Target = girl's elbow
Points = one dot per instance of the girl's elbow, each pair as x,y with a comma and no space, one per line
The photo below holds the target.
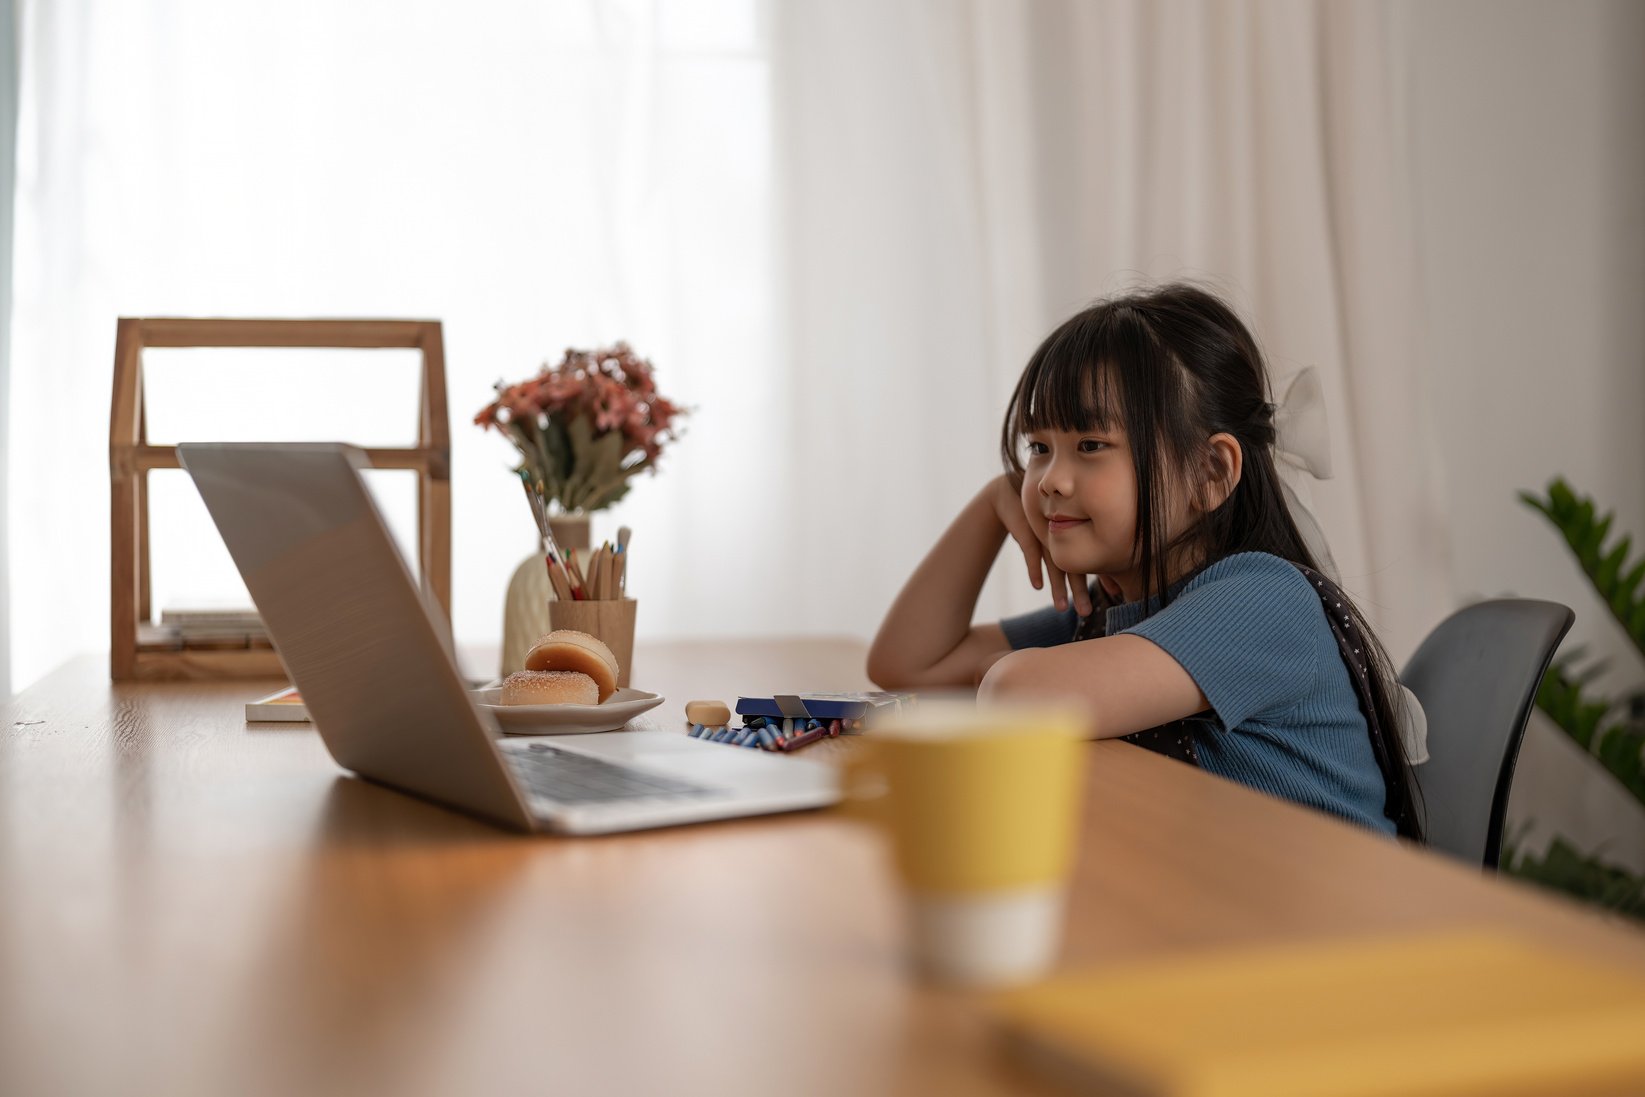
1006,678
883,680
1017,677
885,673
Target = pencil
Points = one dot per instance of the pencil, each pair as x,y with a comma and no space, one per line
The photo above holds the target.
556,575
594,590
607,573
577,583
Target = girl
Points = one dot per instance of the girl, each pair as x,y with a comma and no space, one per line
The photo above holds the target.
1138,449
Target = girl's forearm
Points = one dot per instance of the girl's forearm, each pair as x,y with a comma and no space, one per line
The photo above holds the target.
931,617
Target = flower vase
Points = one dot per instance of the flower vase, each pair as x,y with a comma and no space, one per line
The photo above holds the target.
525,607
571,531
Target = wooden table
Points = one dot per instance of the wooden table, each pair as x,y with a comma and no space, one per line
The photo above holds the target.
192,905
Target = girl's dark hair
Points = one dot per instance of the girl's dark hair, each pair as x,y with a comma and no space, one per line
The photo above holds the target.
1173,366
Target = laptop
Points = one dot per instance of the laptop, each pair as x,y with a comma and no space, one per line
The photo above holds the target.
372,657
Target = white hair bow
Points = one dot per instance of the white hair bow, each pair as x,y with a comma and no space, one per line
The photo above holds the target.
1302,439
1302,435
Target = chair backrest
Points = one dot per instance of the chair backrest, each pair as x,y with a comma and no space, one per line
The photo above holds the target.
1476,675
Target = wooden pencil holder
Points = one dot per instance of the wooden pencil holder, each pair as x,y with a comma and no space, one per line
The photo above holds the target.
611,620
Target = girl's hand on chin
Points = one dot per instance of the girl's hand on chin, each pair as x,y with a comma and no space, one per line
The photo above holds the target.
1006,497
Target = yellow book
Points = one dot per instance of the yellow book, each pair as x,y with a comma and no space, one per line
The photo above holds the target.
1439,1015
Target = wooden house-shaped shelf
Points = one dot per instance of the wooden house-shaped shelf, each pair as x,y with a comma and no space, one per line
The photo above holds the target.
139,649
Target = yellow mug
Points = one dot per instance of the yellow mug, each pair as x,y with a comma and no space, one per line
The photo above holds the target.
981,807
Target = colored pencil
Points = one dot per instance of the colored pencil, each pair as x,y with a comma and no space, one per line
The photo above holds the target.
556,575
578,585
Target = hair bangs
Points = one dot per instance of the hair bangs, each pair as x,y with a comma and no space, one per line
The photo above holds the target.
1069,396
1071,382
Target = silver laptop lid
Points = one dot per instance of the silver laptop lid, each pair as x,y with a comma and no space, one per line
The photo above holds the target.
359,638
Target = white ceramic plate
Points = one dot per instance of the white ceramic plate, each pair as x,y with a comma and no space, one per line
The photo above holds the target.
618,710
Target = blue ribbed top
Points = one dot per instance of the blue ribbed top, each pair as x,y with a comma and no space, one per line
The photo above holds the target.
1284,717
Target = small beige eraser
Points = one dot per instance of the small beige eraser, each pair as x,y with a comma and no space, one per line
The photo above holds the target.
712,714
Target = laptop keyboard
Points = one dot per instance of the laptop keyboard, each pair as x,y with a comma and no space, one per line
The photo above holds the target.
569,778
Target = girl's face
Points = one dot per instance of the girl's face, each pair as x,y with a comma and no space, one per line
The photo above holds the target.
1079,489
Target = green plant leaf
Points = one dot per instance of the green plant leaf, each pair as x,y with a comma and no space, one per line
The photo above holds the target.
1588,530
1574,515
1561,496
556,450
1618,745
1561,696
596,466
1605,576
1627,590
1621,749
604,495
580,434
1565,869
533,465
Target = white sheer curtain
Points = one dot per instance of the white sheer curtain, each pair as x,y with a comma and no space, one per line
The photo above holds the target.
536,175
838,227
962,176
8,176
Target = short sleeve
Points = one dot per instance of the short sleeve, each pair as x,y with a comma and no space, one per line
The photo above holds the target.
1247,630
1043,628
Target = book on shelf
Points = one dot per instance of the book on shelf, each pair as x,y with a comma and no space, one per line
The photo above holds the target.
867,706
204,633
284,706
211,625
225,618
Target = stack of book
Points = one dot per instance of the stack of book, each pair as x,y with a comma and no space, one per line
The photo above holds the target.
213,628
285,707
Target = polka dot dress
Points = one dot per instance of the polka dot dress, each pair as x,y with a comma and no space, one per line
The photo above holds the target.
1352,649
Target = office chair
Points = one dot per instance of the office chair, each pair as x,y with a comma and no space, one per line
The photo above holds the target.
1476,675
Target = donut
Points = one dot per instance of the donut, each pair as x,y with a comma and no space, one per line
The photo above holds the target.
568,649
549,687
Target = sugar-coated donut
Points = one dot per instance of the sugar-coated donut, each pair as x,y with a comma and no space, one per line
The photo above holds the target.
550,687
568,649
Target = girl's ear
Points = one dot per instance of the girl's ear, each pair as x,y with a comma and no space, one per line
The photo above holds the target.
1224,463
